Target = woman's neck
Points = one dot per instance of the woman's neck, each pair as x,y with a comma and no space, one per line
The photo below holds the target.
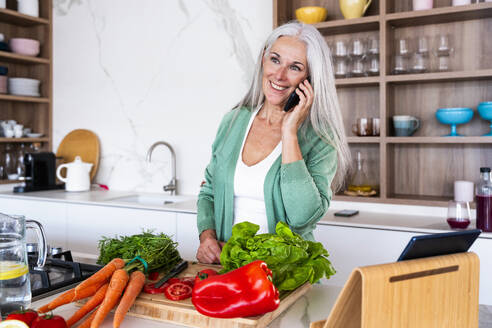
271,115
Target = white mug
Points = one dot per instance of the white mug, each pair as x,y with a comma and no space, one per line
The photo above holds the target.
9,133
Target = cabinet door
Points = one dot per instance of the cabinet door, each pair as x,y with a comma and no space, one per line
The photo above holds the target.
187,235
354,247
87,224
52,215
483,247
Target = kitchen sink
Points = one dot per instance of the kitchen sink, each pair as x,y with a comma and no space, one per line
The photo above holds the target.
151,199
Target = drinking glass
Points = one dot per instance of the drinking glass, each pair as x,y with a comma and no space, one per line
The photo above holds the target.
357,48
340,68
403,47
458,214
400,64
340,49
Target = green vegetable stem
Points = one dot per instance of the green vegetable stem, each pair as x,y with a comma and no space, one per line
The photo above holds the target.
292,259
157,250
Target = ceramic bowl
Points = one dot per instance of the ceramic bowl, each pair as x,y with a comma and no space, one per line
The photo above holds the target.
453,117
311,14
28,47
485,111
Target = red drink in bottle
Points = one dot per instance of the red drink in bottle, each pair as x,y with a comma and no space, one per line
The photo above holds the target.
484,201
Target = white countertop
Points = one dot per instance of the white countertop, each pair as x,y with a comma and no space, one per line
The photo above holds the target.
380,216
315,305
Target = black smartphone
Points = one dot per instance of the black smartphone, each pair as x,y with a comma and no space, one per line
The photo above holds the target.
346,213
293,100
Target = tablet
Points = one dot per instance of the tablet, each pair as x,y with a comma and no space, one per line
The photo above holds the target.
439,244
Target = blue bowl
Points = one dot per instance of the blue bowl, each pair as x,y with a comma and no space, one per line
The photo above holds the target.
485,111
454,116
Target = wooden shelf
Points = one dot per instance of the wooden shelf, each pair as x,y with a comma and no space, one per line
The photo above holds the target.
20,140
24,99
363,140
440,15
16,18
9,181
345,198
419,200
482,74
439,140
10,57
342,26
358,81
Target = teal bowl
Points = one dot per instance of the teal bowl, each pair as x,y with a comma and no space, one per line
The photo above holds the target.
485,111
453,117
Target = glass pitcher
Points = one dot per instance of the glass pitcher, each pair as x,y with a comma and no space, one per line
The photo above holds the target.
15,287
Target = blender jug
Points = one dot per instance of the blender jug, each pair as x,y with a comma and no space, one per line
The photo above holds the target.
15,287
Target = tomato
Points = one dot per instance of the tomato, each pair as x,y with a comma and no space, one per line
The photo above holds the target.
153,275
190,281
178,291
49,321
150,288
204,274
26,316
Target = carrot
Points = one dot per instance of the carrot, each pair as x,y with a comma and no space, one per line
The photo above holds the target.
89,306
87,322
135,285
69,296
113,294
102,275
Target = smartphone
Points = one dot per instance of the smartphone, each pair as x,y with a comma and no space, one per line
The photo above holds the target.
346,213
293,100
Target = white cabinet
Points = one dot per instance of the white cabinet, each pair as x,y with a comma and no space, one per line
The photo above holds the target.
88,223
51,215
187,235
351,247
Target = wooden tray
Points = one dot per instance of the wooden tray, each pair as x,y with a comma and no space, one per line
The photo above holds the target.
158,307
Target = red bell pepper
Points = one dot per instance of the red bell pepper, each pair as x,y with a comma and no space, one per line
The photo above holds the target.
244,292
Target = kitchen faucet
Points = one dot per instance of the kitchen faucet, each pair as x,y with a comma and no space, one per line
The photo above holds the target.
173,184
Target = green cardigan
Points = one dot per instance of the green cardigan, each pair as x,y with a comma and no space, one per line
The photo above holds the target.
296,193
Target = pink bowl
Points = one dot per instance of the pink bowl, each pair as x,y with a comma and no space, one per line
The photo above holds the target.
28,47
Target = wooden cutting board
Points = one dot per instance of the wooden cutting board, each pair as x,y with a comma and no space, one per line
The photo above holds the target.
83,143
158,307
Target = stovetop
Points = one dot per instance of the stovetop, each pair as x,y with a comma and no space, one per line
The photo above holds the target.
59,273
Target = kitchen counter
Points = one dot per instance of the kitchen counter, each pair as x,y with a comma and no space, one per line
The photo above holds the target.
374,216
315,305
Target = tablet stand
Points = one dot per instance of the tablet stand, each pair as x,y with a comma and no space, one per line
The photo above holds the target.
439,291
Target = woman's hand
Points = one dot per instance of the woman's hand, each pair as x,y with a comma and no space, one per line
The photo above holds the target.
210,249
294,118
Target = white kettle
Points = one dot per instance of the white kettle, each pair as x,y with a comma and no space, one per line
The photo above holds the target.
78,175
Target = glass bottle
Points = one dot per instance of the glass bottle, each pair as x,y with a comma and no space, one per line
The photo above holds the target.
20,167
484,200
9,161
359,181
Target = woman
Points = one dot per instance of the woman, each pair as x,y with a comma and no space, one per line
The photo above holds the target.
269,165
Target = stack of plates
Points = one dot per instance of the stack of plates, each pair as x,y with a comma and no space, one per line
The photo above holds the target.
24,87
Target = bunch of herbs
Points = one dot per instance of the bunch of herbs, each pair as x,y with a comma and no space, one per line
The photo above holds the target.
158,250
292,259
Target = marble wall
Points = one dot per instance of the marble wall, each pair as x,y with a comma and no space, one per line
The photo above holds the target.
136,72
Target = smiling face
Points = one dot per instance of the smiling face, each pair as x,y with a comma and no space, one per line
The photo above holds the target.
284,67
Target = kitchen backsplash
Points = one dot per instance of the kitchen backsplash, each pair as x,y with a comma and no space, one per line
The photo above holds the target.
135,72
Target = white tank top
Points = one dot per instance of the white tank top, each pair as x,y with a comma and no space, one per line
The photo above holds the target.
249,200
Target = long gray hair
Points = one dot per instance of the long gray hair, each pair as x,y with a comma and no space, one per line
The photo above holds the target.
325,115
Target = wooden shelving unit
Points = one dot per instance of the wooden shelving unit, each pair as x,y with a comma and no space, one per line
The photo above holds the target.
32,112
417,170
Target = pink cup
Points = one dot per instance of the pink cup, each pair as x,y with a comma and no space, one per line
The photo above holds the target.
422,4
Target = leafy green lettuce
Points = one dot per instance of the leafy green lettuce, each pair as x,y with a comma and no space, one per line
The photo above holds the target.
292,259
